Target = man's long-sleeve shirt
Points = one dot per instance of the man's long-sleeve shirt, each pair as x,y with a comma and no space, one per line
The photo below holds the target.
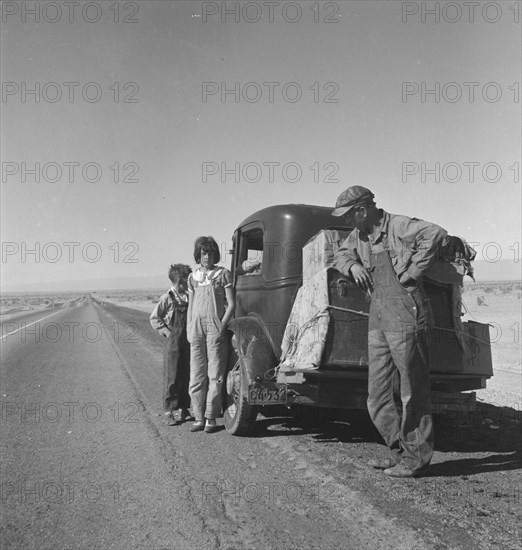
413,246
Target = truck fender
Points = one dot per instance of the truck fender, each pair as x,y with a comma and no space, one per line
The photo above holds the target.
254,348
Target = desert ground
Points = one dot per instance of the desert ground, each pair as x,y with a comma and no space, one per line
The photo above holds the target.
11,303
499,304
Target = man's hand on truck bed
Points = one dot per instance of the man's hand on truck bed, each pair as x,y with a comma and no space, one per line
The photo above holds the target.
362,277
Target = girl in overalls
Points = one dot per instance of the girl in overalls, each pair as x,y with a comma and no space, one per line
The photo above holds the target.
211,306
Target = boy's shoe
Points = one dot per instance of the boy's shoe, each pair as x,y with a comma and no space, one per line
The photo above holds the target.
211,426
178,417
171,419
186,415
198,426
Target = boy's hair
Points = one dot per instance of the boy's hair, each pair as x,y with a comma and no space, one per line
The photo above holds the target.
207,244
181,270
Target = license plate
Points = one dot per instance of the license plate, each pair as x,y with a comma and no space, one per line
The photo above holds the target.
267,395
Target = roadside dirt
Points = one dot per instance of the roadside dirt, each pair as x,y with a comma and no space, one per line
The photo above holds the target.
472,491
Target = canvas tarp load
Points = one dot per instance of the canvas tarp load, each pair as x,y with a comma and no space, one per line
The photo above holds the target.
305,334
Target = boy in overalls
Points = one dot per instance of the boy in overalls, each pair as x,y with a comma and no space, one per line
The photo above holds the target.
169,319
211,306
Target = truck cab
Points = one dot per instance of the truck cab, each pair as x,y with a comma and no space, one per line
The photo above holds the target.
256,376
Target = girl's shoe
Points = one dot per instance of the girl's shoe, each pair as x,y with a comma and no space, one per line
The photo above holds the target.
198,426
211,426
382,463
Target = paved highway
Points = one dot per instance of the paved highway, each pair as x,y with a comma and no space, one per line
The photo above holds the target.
87,462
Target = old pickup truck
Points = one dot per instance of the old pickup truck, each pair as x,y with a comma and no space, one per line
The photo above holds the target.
259,372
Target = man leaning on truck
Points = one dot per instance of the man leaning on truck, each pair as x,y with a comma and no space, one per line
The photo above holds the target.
387,255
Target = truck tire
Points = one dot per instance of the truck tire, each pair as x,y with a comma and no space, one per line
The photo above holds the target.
239,415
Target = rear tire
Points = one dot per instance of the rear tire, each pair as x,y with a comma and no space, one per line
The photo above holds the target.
239,415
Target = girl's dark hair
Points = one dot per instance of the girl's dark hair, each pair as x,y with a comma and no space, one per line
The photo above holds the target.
207,244
182,270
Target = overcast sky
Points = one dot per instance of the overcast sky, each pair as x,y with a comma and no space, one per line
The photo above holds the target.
127,103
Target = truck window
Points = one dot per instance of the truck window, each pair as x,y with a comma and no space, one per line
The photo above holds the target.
251,253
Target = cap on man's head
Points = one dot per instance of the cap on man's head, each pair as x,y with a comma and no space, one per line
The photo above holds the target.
352,197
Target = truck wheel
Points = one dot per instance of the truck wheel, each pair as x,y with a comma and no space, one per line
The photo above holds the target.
239,415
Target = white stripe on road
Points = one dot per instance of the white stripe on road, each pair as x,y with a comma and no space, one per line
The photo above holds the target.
25,326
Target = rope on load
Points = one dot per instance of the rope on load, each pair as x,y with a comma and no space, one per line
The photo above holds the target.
361,313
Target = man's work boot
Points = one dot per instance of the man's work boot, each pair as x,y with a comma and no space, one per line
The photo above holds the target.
382,463
400,470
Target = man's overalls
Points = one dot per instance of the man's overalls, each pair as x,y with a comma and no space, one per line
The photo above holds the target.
208,350
176,360
397,343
